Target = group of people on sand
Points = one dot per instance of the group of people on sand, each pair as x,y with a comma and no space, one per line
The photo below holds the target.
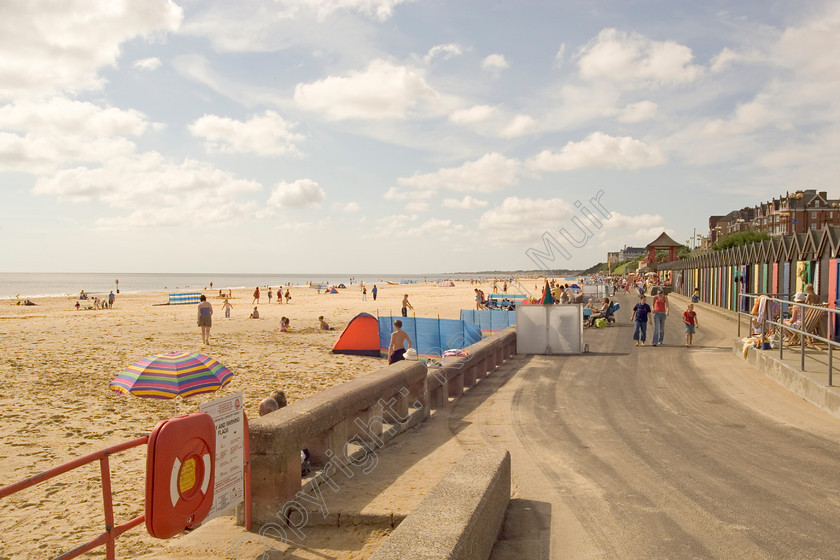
205,317
270,295
643,315
373,291
106,302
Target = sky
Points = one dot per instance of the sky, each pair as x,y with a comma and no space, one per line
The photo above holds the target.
399,136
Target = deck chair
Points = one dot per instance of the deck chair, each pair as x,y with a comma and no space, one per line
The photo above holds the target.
812,324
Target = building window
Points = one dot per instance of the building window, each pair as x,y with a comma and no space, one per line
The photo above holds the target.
813,226
813,215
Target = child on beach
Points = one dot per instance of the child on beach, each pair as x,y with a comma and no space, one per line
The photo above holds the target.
255,314
690,320
227,307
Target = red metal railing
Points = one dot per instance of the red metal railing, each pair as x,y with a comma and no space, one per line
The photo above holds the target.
111,532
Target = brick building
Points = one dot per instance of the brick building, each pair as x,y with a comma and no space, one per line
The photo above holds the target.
791,213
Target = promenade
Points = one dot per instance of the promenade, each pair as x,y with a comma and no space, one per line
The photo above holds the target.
624,452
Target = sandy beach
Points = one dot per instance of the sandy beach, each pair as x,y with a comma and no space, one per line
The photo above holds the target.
56,364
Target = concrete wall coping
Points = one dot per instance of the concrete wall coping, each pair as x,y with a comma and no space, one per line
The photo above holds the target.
289,427
462,515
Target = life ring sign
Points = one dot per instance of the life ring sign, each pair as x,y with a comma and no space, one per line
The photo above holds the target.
180,471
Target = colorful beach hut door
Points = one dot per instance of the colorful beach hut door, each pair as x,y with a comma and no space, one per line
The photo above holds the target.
834,294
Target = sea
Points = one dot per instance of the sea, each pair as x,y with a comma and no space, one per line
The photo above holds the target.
33,285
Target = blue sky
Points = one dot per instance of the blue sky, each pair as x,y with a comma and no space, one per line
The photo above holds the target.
368,136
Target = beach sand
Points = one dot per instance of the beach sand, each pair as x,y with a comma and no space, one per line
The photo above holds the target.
55,404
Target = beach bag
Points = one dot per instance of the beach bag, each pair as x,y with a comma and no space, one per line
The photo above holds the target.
601,323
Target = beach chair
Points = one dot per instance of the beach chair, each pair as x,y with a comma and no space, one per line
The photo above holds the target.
812,324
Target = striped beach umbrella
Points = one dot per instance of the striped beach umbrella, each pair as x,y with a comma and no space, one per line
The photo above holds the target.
166,376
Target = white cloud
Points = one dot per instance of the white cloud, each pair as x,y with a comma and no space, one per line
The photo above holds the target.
723,60
395,194
600,150
416,206
382,91
34,153
266,135
302,193
635,60
444,52
378,9
59,131
791,116
60,46
518,220
147,64
638,112
519,126
157,192
495,62
525,221
349,207
466,203
579,104
65,116
475,114
434,228
491,172
560,57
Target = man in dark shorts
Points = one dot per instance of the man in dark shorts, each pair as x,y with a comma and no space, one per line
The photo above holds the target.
396,350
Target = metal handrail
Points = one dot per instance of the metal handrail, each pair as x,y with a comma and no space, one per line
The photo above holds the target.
803,334
112,531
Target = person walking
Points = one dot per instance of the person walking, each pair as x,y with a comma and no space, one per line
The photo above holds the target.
227,307
205,318
270,294
364,292
690,320
660,311
288,295
373,292
641,316
280,295
256,295
406,306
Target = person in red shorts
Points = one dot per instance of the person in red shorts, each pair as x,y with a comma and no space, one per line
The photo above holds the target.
690,320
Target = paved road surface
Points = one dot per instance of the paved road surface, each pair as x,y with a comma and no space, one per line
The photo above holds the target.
641,453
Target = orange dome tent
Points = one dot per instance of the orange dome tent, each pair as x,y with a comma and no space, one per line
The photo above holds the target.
360,337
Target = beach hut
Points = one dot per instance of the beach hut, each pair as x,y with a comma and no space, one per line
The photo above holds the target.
360,337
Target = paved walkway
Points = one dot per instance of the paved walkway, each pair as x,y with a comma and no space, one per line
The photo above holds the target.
625,452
